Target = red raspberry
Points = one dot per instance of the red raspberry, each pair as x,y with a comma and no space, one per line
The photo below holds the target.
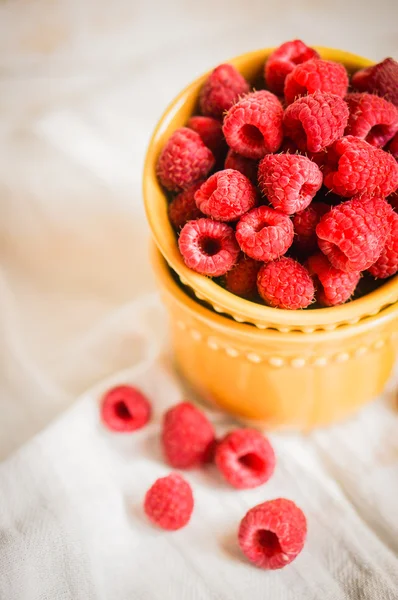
245,458
290,147
353,234
169,502
253,126
314,122
304,224
282,62
210,130
183,207
289,181
381,79
241,280
226,195
184,160
221,90
313,75
332,285
264,233
387,263
124,408
285,283
354,167
393,146
187,436
371,118
244,165
208,247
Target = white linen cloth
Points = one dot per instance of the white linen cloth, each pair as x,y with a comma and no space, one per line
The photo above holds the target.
81,86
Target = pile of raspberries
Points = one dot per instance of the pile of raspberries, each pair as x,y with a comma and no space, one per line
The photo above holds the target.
271,534
288,194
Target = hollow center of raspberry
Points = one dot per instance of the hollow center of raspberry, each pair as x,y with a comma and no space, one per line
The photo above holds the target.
268,542
378,133
252,461
251,135
306,190
210,246
121,411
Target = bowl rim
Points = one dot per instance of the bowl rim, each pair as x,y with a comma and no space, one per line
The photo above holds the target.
220,299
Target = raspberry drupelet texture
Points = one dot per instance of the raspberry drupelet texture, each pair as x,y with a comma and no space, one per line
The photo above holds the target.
272,534
183,207
286,284
372,118
210,130
355,167
221,90
241,280
169,502
226,195
187,436
264,233
387,263
380,79
313,75
304,223
253,126
315,121
208,247
332,286
352,235
393,146
282,62
289,181
184,160
124,408
244,165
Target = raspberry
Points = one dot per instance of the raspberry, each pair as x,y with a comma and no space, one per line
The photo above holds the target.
124,408
273,533
285,283
387,263
253,126
381,79
208,247
282,62
184,160
353,167
241,280
332,286
226,195
289,181
304,224
353,234
210,130
244,165
187,436
183,207
264,233
245,458
313,75
393,146
371,118
169,502
314,122
221,90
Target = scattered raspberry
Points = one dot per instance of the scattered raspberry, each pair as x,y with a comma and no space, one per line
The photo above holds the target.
244,165
289,181
314,122
332,285
381,79
245,458
226,195
304,224
221,90
371,118
169,502
208,247
210,130
273,533
393,146
183,207
253,126
264,233
187,436
353,167
353,234
124,408
282,62
241,280
285,283
184,160
387,263
313,75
